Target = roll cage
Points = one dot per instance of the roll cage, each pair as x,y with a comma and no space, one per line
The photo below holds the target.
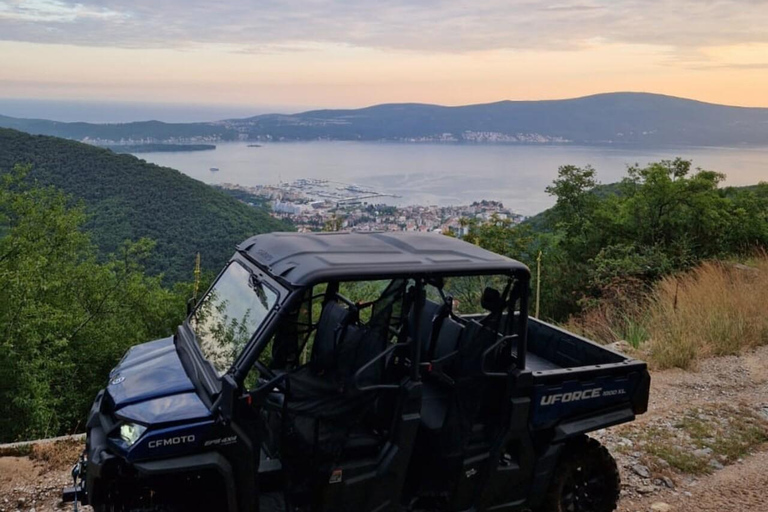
294,264
511,299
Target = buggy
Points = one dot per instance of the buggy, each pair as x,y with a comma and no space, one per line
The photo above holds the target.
360,372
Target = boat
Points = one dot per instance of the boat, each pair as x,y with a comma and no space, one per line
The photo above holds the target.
214,169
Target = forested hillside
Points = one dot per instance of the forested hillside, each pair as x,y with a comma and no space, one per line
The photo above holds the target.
623,118
614,118
127,198
67,313
120,131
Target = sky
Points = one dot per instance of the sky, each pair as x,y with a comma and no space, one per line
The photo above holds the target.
277,55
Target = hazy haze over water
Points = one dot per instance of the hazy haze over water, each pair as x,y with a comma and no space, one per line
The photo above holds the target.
443,173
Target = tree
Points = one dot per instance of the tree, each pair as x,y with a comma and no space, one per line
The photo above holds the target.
65,316
576,202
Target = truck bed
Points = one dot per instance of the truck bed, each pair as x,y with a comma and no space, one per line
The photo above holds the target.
552,348
581,383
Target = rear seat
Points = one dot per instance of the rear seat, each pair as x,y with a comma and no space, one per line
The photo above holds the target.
428,320
436,394
455,392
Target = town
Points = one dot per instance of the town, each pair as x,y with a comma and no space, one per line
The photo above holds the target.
316,205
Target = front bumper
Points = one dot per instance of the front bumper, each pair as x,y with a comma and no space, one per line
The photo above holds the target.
102,470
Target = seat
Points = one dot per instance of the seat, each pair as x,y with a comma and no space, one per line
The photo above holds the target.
456,391
325,413
420,325
447,340
331,329
437,391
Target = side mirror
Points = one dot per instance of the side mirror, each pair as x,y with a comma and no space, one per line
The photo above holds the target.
191,303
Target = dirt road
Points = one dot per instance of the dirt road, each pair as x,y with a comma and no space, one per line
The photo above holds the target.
727,469
720,384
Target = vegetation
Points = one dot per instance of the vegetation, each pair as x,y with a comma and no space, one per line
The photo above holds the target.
66,315
704,439
718,308
611,255
127,199
245,197
155,130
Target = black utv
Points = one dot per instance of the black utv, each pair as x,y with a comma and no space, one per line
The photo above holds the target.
361,372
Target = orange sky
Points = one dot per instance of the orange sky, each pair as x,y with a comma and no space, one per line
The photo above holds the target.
371,63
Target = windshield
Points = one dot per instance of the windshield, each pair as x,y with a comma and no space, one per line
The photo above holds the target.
230,314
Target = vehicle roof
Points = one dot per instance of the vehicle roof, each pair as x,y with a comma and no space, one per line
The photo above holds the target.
306,258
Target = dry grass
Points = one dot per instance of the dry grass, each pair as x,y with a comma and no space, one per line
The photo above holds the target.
621,314
718,308
715,309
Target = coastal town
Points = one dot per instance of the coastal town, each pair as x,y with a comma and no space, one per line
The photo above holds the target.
316,205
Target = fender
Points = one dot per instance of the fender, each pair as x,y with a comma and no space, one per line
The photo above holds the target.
591,422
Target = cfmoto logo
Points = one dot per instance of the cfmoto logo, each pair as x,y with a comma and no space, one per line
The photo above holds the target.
171,441
572,397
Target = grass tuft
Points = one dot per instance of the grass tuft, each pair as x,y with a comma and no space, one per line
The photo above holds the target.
716,309
704,438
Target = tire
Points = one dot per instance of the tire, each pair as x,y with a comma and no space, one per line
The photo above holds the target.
586,479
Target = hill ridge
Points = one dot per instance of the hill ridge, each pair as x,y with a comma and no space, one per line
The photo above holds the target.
639,118
128,198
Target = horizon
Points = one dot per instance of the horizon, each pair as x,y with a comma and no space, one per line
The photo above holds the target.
116,112
329,54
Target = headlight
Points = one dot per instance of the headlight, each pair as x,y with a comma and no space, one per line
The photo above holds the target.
131,432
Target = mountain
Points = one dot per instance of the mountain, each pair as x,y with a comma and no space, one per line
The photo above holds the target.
150,131
615,118
128,198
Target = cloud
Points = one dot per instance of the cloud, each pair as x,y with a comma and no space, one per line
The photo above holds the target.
37,11
423,26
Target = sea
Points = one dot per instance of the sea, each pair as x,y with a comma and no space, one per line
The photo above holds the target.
445,174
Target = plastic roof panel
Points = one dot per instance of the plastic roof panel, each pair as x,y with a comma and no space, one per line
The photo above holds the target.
306,258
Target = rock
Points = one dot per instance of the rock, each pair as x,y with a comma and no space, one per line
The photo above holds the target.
660,506
715,464
702,452
668,482
646,489
620,346
744,268
641,470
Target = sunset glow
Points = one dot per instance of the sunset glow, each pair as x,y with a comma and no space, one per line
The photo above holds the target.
451,52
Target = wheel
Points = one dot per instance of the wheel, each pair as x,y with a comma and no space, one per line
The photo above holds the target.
586,479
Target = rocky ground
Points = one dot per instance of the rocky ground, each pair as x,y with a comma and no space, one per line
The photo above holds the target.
701,447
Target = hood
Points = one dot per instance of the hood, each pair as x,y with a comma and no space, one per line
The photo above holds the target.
151,386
